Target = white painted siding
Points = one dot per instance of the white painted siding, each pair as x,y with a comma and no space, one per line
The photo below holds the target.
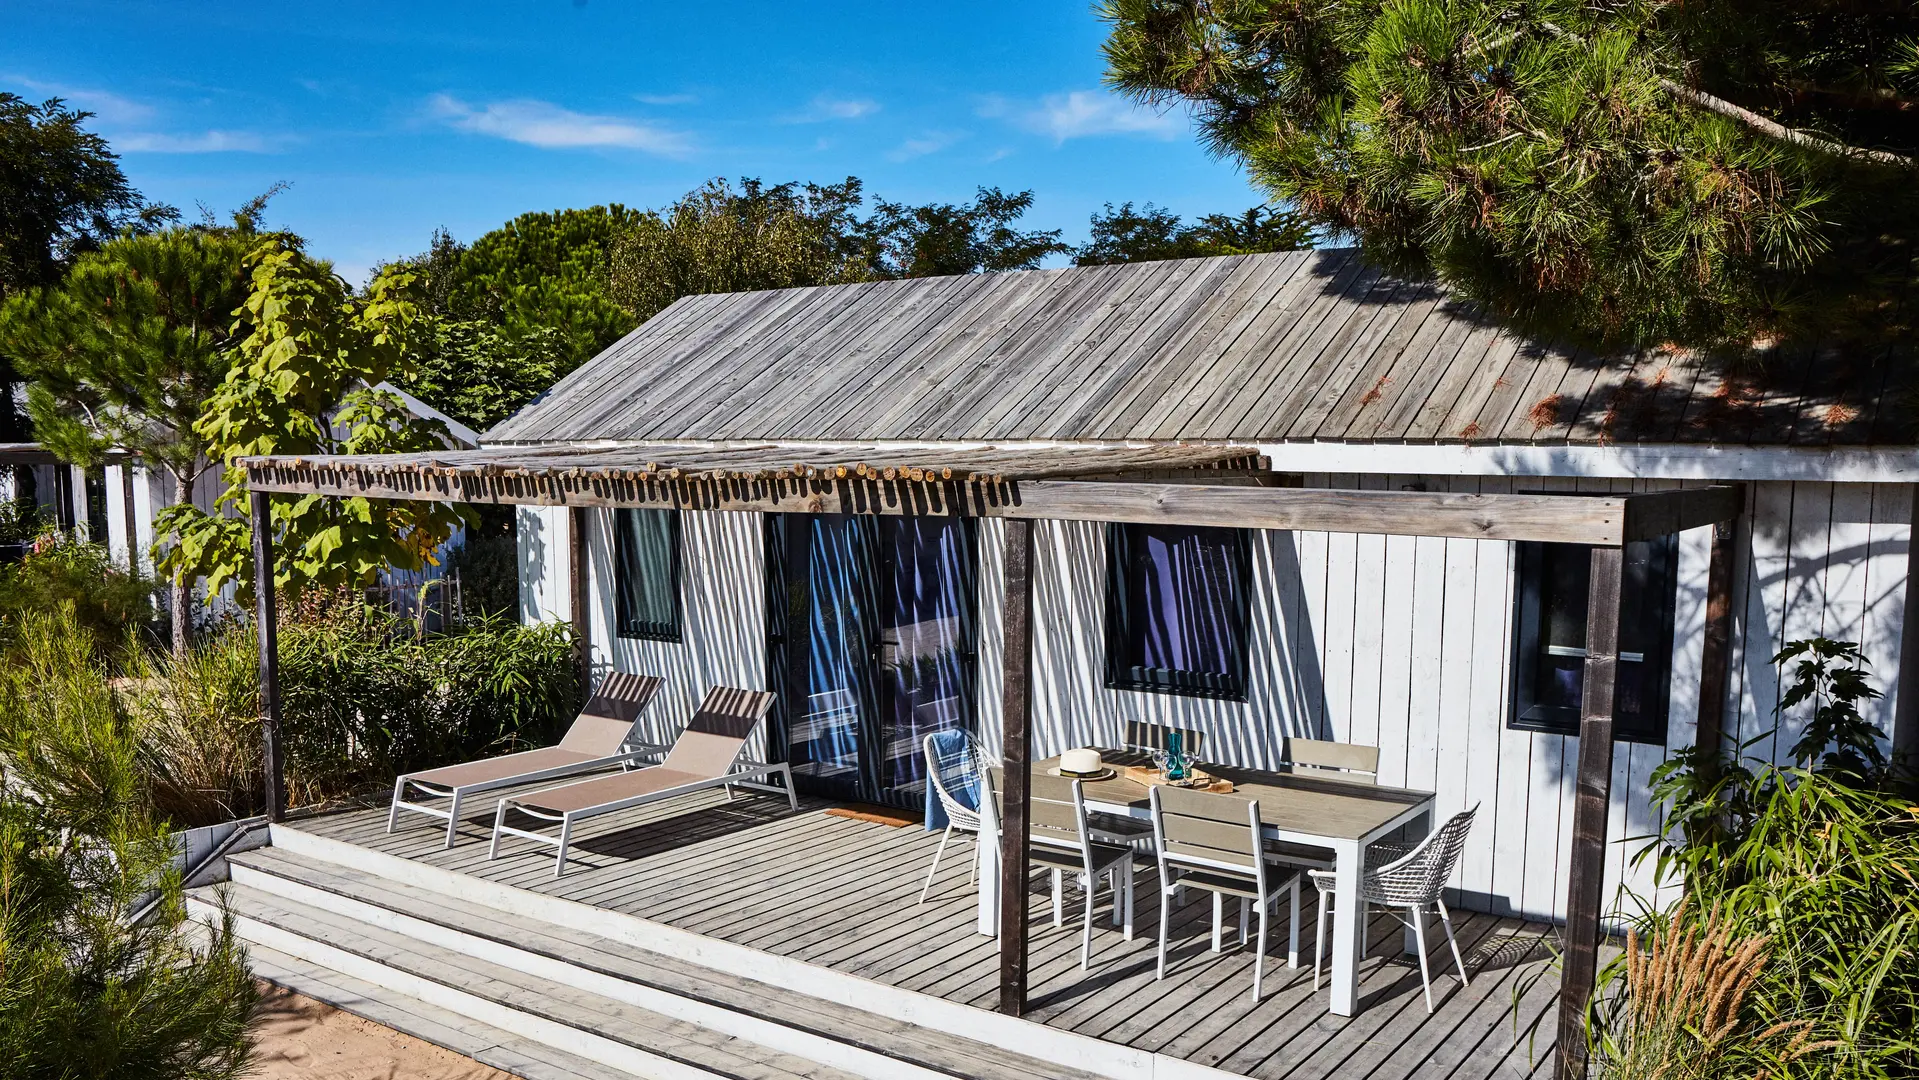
722,617
1404,643
1399,642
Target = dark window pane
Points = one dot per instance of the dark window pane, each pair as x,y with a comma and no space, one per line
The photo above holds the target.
647,573
1550,639
1177,602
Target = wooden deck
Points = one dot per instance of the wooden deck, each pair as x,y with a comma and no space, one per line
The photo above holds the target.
841,893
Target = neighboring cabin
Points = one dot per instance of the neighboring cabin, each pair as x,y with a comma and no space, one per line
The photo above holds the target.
1458,658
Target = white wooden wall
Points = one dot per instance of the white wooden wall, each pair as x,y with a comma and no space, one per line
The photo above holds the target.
1404,643
1398,642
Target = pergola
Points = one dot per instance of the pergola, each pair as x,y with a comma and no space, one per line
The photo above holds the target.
1188,484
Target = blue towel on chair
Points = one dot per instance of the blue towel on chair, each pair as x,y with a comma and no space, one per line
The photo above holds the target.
951,746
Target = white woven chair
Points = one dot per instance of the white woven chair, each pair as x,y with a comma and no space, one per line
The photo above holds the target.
947,773
1412,880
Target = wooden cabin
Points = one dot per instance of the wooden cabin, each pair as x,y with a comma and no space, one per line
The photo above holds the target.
1254,499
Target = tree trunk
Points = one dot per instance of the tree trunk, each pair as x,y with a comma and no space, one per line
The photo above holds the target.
181,595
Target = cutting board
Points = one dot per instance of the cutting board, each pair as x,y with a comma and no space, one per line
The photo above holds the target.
1197,779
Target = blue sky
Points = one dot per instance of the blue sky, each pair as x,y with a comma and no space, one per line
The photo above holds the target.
389,120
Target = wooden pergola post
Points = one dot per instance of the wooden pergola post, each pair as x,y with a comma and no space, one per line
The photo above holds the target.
1591,802
1905,704
1715,654
126,512
1015,837
267,627
576,570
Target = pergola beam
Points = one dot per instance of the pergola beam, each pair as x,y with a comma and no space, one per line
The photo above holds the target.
1571,519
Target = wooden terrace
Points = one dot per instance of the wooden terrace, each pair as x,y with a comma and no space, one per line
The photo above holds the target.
841,893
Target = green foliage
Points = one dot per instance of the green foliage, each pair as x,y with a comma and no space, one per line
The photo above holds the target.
362,699
478,374
61,192
304,371
123,352
488,564
1837,739
85,994
1820,862
718,239
1558,161
64,573
546,270
199,720
1128,235
958,238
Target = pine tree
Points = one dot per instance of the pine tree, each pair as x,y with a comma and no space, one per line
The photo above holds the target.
1627,170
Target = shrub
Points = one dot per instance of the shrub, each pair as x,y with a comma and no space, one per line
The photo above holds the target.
200,729
86,992
1814,868
61,571
488,564
360,700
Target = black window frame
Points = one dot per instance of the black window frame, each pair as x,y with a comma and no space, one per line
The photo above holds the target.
1121,540
1650,625
626,623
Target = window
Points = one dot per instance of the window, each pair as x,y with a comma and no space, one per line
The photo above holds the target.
1177,601
646,579
1550,642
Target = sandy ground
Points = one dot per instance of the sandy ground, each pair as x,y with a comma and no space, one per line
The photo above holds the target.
302,1039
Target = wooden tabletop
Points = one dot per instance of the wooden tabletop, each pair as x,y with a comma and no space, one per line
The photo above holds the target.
1289,801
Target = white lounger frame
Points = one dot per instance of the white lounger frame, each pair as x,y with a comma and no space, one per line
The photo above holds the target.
744,774
629,753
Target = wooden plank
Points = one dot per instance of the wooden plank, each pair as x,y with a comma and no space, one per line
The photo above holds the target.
1461,342
1121,398
1650,515
266,622
1173,403
1396,355
1715,658
1585,890
1254,409
1016,702
576,586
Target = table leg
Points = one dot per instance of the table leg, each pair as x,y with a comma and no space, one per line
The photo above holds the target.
986,852
1346,924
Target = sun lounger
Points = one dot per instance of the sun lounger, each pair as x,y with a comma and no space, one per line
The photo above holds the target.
598,739
706,755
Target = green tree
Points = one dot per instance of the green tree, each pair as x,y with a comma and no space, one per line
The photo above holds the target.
958,238
479,374
1149,233
85,989
721,239
1711,172
305,374
61,194
126,349
546,270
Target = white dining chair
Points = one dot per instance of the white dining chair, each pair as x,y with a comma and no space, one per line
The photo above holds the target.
1063,845
951,769
1213,843
1414,881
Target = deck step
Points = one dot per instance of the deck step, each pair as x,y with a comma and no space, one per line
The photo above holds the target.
483,1043
552,1013
859,1042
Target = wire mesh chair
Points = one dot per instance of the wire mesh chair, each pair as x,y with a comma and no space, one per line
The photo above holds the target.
953,763
1412,880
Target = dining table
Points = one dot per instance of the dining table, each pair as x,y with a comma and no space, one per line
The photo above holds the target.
1311,807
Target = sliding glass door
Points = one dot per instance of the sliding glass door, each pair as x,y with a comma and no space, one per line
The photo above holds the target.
872,645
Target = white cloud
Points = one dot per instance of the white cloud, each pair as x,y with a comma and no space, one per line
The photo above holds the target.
666,99
548,126
825,107
1081,113
203,142
931,142
108,106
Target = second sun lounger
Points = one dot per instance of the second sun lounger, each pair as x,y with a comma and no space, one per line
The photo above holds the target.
706,755
598,739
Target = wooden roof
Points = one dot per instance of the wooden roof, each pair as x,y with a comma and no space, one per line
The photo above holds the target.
1291,346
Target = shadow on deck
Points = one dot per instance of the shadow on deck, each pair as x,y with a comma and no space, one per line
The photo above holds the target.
841,893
